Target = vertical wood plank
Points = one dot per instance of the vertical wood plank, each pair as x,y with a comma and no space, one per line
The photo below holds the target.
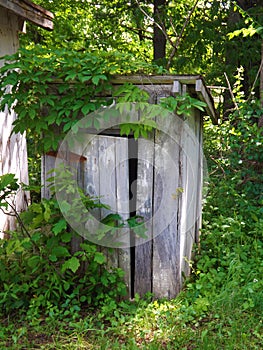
47,164
200,175
13,150
143,251
107,185
107,177
191,179
122,188
166,242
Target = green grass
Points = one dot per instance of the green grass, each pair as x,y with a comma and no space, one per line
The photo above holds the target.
143,325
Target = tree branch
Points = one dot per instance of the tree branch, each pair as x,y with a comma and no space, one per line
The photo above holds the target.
138,31
231,92
160,26
179,38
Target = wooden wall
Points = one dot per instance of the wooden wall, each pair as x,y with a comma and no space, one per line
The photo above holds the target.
13,151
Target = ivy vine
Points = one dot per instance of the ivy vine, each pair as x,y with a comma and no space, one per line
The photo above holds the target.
52,90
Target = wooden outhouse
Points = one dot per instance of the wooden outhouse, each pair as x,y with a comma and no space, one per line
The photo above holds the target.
159,178
13,152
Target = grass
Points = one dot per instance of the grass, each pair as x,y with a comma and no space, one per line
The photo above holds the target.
143,325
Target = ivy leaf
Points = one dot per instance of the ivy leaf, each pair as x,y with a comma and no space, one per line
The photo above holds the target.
72,264
97,78
84,78
125,129
59,226
33,261
96,123
99,258
64,206
8,181
87,108
59,252
66,237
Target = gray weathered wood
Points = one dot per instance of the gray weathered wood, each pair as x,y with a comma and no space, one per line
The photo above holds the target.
122,205
30,11
201,173
166,242
203,93
13,150
107,177
191,183
143,250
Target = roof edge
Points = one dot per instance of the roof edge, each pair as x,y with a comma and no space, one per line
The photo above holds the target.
30,11
197,81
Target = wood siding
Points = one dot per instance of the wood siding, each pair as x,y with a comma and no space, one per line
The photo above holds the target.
13,151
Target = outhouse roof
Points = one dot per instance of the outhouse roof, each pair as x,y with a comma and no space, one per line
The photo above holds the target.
30,12
194,84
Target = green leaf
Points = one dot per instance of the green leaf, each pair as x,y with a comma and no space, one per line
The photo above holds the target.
66,237
64,206
125,129
72,264
59,226
8,181
59,252
95,79
99,258
33,261
66,286
87,108
111,220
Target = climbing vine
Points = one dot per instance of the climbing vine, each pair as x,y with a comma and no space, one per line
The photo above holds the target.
51,90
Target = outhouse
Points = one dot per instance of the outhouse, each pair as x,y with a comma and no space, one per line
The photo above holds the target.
158,178
13,151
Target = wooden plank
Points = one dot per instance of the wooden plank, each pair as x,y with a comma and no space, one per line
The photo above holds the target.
31,12
13,150
166,220
200,175
107,178
91,153
155,79
205,96
107,187
190,170
177,88
122,206
47,164
107,167
143,251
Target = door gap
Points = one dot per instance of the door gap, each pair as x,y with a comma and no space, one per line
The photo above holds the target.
133,172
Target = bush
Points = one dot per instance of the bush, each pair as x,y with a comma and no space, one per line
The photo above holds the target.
39,273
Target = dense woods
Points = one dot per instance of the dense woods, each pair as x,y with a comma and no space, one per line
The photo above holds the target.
54,297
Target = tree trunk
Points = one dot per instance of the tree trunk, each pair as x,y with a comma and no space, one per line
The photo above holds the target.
260,121
159,39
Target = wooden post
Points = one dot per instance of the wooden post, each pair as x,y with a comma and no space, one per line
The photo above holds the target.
13,150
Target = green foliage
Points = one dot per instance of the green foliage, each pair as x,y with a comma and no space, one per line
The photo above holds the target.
41,275
8,187
133,101
53,89
229,259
